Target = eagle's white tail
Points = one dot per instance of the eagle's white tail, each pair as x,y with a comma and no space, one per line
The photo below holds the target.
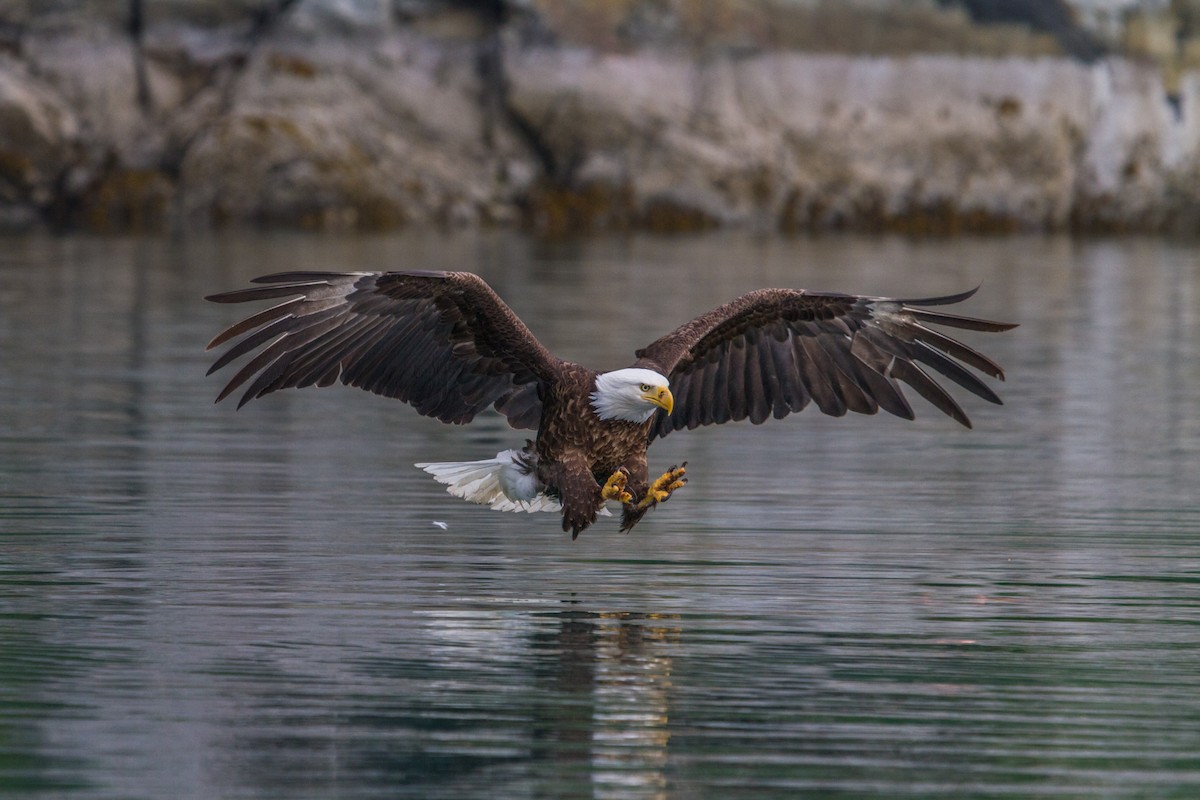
505,482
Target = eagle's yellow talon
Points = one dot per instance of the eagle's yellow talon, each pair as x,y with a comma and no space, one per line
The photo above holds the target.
614,488
664,486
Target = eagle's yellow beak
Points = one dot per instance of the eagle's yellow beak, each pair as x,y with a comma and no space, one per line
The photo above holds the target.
660,396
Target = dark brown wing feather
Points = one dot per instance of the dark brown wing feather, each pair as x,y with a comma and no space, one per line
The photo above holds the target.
442,341
771,352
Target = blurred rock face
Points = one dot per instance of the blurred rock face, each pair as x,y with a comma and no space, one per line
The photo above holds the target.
369,114
38,134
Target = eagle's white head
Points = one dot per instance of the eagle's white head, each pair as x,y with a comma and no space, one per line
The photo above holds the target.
631,395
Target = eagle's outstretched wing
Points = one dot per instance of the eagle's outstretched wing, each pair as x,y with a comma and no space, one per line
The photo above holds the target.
772,351
441,341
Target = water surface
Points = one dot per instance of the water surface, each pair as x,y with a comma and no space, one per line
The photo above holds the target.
200,603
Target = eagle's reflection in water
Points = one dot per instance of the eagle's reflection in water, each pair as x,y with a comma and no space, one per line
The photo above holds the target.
490,703
605,680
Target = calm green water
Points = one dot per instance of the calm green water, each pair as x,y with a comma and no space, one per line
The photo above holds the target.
203,603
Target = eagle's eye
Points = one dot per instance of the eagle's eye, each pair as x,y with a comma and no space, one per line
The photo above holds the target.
645,387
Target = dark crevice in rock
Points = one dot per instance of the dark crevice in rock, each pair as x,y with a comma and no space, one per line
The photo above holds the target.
497,104
137,33
264,19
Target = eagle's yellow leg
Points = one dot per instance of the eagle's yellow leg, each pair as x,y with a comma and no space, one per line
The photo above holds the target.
614,488
664,486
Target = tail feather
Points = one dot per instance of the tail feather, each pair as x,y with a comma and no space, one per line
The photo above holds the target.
506,482
480,482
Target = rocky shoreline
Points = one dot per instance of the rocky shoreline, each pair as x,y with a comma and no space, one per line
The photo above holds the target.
348,115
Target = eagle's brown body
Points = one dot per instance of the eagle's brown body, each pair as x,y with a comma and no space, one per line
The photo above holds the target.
445,343
577,451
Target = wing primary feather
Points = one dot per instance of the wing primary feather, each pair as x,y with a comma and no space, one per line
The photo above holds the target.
708,396
682,385
291,342
874,365
846,374
293,326
775,394
958,350
820,377
259,337
313,276
954,371
956,321
360,340
255,320
280,355
887,394
311,365
248,369
720,411
702,396
309,290
928,388
942,300
733,373
329,377
756,402
262,381
794,394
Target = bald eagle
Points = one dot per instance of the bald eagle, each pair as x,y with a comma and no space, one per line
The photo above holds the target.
445,343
